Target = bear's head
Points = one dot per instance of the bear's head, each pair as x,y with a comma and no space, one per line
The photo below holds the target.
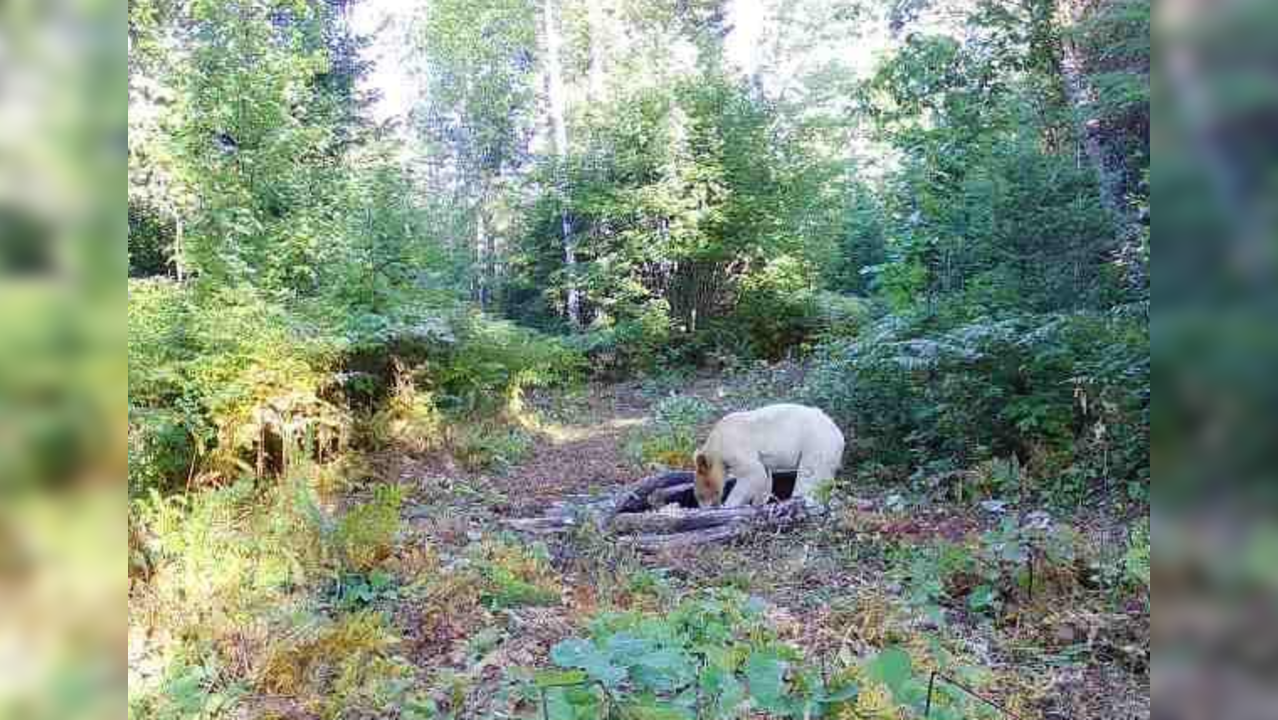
708,486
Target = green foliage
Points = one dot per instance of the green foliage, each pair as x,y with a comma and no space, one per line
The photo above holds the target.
1114,43
1136,558
684,210
671,437
220,559
777,307
150,241
487,446
995,570
944,401
841,317
366,534
493,362
514,575
631,344
712,651
190,690
208,386
357,591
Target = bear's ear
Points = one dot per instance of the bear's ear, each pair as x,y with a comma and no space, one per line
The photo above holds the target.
703,463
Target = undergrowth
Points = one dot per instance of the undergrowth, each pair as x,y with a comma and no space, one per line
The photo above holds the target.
670,438
714,654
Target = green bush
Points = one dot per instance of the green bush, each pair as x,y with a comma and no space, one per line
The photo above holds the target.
671,437
777,307
227,370
715,655
841,317
1068,394
493,362
714,648
638,342
366,534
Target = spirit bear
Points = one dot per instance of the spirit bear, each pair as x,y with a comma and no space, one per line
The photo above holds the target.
751,445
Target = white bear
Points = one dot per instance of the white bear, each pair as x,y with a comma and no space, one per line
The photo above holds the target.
751,445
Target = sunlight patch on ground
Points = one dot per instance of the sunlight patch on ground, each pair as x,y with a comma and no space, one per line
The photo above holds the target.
560,434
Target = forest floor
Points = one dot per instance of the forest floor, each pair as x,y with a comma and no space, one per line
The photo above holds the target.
832,588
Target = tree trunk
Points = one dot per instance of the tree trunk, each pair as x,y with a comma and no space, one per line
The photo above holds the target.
1082,98
599,30
481,261
559,133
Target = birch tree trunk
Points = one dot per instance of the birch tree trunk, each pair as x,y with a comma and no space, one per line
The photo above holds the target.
481,262
599,32
559,133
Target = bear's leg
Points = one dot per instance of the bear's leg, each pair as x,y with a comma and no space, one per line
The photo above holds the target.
754,485
812,476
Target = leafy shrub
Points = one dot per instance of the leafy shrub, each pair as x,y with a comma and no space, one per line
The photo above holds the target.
161,450
671,437
190,688
943,401
366,534
489,445
218,561
840,317
231,370
1012,562
714,655
514,575
777,307
494,361
635,343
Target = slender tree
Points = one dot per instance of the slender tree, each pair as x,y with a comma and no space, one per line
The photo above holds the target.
559,132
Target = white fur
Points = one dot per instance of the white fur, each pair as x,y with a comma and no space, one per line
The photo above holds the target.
784,437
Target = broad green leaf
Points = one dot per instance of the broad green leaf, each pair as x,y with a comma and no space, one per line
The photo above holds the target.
559,678
663,670
764,671
625,649
892,667
578,653
731,694
843,694
571,652
650,708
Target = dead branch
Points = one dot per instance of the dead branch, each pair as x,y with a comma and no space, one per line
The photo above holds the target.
662,497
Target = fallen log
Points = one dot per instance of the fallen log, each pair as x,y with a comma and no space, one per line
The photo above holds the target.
638,497
661,512
673,495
